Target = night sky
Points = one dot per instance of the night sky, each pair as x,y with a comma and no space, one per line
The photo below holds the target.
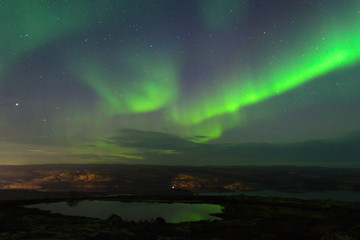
179,82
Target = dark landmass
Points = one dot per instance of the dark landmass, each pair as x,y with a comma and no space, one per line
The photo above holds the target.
140,179
243,217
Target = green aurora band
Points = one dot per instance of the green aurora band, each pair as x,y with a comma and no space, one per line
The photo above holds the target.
25,23
328,51
83,72
30,25
150,82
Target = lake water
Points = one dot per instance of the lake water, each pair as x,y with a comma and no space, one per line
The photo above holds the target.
134,211
347,196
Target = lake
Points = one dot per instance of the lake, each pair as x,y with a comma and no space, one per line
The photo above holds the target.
346,196
134,211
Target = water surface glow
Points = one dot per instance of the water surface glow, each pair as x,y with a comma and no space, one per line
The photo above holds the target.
134,211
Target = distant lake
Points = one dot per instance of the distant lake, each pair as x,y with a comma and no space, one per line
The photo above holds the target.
134,211
347,196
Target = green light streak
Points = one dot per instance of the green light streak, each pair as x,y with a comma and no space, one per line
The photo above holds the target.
149,84
241,92
212,128
295,66
28,25
24,26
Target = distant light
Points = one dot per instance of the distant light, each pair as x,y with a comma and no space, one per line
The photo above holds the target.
17,104
173,187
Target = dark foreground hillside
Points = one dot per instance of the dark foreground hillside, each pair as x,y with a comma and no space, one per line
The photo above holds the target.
242,218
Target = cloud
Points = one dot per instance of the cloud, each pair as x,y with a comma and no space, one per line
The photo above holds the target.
148,140
160,148
104,158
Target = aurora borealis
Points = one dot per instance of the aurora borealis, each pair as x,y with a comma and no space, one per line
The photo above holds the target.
145,81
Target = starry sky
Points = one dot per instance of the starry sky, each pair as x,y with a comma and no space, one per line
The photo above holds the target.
198,82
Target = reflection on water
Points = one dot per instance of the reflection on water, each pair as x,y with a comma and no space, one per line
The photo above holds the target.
134,211
347,196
